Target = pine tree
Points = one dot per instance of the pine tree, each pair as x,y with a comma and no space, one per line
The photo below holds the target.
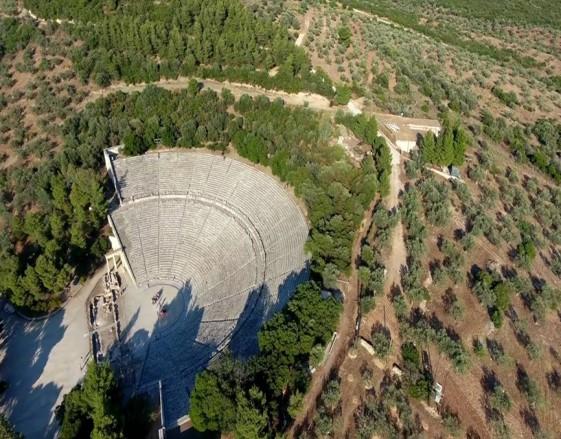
460,145
428,148
445,145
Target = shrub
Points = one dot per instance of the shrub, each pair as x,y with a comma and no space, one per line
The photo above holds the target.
381,340
499,399
7,431
526,253
508,98
451,422
344,33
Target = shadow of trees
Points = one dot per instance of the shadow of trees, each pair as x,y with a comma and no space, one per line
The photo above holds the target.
175,354
28,402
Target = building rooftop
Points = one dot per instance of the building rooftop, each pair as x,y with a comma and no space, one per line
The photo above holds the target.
406,128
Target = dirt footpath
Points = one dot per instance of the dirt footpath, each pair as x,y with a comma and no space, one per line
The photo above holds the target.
313,101
304,31
346,332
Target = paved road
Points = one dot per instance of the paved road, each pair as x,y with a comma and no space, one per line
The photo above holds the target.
42,361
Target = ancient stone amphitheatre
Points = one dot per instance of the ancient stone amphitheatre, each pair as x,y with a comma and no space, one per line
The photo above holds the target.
212,246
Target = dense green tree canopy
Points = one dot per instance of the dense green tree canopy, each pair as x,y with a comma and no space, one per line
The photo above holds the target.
16,35
448,148
91,409
143,40
250,398
61,235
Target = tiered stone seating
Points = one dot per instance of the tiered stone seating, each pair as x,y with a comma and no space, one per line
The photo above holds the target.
228,230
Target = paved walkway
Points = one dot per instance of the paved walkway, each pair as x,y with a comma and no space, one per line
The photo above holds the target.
42,361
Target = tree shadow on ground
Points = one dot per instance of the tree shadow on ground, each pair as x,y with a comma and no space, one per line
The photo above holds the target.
174,354
244,339
28,402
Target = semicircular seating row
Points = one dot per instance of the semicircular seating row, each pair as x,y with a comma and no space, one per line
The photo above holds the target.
220,224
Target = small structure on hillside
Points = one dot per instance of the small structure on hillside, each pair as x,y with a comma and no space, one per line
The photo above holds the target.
367,345
437,392
397,371
103,313
404,132
352,145
454,171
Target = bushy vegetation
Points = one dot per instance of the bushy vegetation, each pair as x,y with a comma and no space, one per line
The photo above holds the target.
335,192
53,233
328,420
366,130
94,409
518,11
387,413
544,157
494,293
371,274
90,409
508,98
381,340
409,18
372,271
436,202
261,394
416,325
417,380
540,299
16,35
68,9
422,328
416,234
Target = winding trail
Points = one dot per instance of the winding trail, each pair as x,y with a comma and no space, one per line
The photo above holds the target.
384,311
313,101
302,35
346,331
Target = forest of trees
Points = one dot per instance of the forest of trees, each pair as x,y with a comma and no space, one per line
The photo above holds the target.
260,396
53,215
53,232
142,41
71,9
15,35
